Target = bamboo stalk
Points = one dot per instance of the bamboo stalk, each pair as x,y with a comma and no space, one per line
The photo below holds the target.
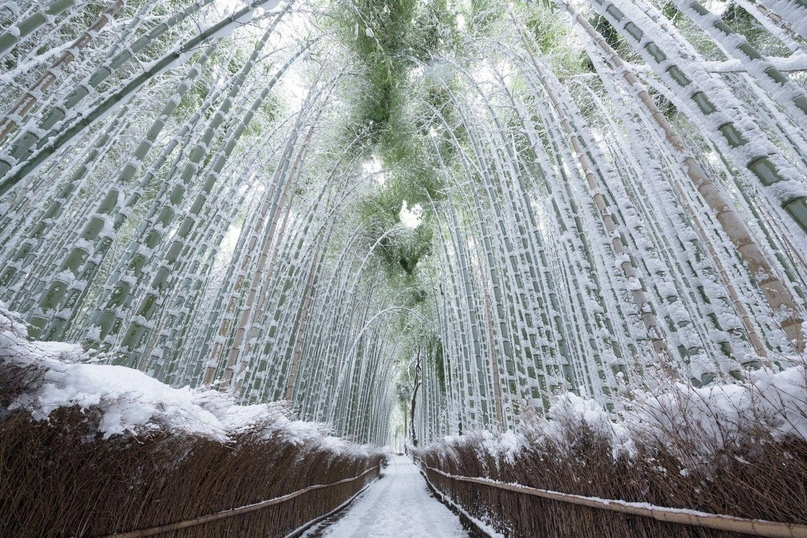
20,30
646,312
776,293
27,101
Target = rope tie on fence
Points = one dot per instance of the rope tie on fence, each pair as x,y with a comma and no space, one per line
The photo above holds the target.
232,511
756,527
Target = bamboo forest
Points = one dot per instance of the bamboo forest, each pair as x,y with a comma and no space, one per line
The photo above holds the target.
427,224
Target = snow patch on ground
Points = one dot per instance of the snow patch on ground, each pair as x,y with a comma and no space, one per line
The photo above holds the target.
399,505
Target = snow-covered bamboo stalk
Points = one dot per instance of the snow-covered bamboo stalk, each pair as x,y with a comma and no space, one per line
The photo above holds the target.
777,84
642,301
14,117
21,159
302,324
157,229
21,29
742,140
111,212
776,293
676,207
252,308
792,12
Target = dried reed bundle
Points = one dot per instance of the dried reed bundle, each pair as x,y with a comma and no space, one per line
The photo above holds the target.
758,475
62,478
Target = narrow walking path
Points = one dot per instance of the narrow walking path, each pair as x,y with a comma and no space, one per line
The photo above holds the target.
400,505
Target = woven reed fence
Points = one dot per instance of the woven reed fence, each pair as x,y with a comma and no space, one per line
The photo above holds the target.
60,478
758,487
445,482
54,481
241,510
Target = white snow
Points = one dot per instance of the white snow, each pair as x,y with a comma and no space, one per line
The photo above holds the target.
128,398
411,217
131,401
708,419
399,505
777,400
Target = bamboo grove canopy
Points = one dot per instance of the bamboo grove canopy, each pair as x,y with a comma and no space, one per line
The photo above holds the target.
449,211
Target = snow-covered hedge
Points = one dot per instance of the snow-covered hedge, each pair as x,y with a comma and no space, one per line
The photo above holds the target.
129,401
770,406
93,450
738,449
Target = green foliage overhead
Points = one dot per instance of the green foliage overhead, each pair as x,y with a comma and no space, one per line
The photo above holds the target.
393,40
388,38
402,249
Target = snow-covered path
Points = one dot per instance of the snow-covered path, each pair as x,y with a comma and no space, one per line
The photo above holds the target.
400,505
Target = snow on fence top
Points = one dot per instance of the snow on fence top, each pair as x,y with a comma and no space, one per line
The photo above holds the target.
131,401
699,421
